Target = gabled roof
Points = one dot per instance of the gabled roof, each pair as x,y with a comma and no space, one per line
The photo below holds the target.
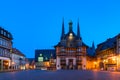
109,43
83,44
16,51
59,45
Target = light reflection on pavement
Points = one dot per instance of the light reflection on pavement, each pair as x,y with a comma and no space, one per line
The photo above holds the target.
60,75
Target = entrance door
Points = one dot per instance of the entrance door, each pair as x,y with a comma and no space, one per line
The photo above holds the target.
70,63
5,64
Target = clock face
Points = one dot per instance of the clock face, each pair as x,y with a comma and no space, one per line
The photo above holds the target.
70,36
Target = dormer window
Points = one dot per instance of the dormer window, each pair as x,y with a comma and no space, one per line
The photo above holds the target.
5,33
1,31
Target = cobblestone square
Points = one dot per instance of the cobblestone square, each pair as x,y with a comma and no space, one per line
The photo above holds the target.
60,75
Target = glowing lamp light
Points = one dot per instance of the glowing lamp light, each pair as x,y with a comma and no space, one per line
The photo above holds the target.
113,59
13,63
104,60
95,62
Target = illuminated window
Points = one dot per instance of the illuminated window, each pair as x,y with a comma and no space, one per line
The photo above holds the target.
40,54
40,59
46,58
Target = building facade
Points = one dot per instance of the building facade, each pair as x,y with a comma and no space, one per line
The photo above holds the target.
18,60
45,58
71,51
108,54
91,58
30,63
5,49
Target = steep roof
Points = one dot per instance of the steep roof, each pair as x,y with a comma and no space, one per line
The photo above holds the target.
71,39
5,33
16,51
109,43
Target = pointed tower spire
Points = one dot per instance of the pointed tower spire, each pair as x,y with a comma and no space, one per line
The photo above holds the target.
93,49
70,26
63,31
93,46
78,30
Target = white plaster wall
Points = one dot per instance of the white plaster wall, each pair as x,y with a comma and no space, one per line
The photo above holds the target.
84,63
58,66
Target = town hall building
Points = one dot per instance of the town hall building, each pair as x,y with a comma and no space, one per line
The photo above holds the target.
71,51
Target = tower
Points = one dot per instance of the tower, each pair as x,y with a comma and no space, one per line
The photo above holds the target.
63,30
70,50
78,30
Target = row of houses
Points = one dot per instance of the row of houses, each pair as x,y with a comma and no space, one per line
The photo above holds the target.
72,53
108,54
11,58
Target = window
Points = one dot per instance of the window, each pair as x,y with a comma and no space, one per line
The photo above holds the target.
62,49
119,49
40,59
8,35
4,33
118,43
62,58
40,54
46,58
0,41
79,49
3,52
0,51
1,31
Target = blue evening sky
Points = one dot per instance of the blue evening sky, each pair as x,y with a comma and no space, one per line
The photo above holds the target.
36,24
